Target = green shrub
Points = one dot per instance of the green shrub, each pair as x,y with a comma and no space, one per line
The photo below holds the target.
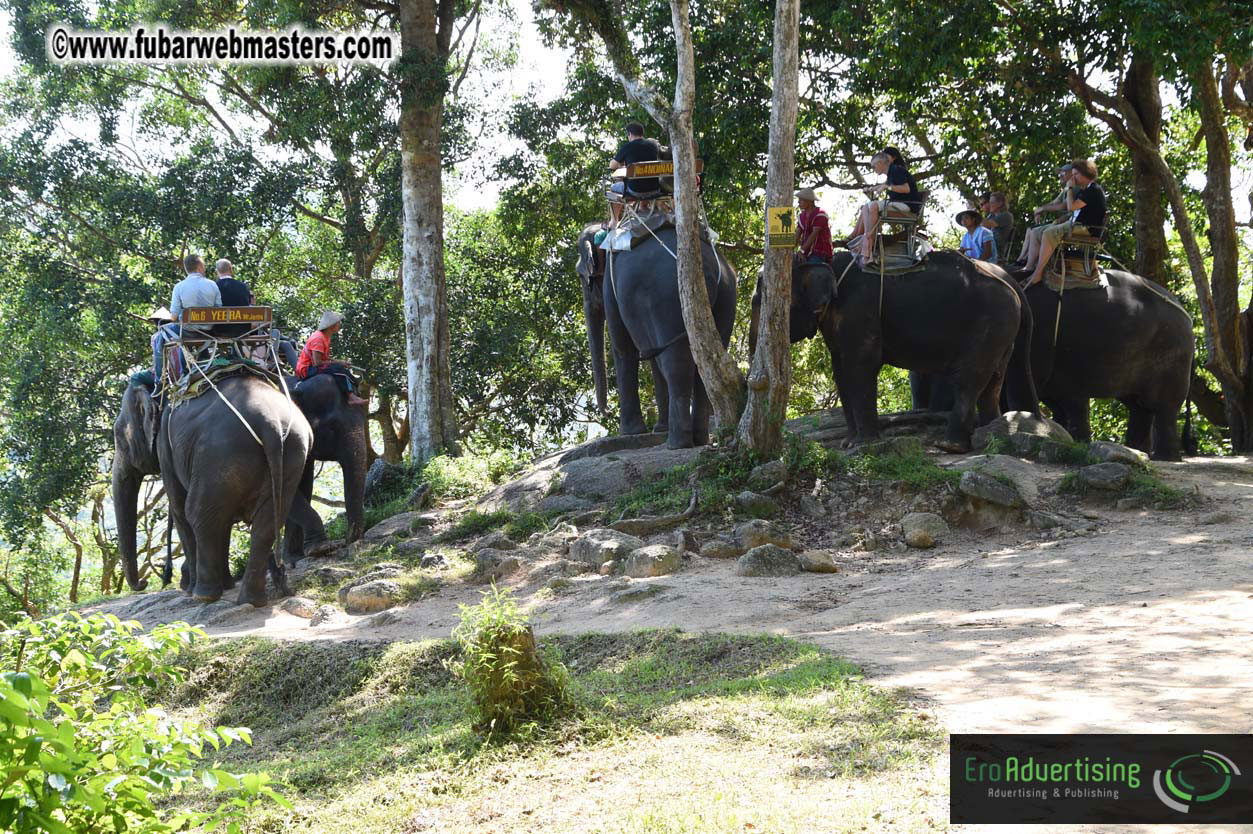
473,523
83,749
521,526
718,474
906,462
468,474
516,689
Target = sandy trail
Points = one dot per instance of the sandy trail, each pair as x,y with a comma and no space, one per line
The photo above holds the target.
1141,626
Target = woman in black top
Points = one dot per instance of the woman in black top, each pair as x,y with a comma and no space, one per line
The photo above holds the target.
901,197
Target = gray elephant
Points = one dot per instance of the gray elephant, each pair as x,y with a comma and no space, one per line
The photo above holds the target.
951,318
641,297
339,434
590,266
134,458
236,454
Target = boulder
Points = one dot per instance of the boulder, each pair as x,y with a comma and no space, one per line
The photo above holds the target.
323,549
372,596
818,561
756,505
331,575
768,560
595,547
380,572
324,614
638,593
923,530
420,497
564,504
298,607
766,475
1019,422
1025,476
400,525
1105,476
1055,451
1107,452
683,541
383,477
652,560
812,506
1044,521
433,561
495,540
985,488
721,548
609,568
754,533
382,618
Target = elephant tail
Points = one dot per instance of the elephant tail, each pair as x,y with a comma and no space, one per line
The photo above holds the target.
1022,391
274,461
167,571
1187,438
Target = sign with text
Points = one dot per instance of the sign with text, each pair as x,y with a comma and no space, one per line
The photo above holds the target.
781,227
227,315
1074,779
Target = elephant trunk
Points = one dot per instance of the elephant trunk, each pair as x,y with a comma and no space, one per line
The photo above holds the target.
595,315
353,464
126,483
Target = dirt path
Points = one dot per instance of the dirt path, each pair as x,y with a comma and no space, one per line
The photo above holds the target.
1141,626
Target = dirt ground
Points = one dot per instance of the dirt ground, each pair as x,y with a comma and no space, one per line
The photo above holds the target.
1139,626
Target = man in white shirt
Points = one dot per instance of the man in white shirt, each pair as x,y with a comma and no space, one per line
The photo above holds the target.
193,291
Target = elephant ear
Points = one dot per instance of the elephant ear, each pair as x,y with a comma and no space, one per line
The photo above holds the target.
817,288
586,264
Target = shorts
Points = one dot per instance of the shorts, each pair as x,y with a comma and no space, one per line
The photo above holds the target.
893,206
1056,232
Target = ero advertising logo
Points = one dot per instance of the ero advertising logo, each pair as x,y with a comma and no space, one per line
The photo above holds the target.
1073,779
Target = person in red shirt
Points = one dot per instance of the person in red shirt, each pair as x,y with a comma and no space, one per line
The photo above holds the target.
813,229
315,357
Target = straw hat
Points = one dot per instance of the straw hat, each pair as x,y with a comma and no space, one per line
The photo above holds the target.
978,217
807,194
160,315
329,319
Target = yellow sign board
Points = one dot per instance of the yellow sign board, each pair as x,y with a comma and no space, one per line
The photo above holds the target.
781,226
226,315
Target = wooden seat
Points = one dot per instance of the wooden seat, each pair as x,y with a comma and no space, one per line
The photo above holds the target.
1077,252
203,329
906,225
662,169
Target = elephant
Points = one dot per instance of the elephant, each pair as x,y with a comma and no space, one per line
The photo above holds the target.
1132,342
340,435
590,267
951,318
135,457
641,298
234,454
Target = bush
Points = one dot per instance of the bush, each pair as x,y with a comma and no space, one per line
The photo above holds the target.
906,462
82,749
515,688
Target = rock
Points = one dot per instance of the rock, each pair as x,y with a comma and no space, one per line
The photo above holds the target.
1220,517
812,507
368,597
383,477
564,504
331,575
756,505
638,593
589,518
506,566
652,560
818,561
383,618
609,568
433,561
1133,503
1055,451
890,446
420,497
923,530
209,611
595,547
768,560
1019,422
683,541
323,548
558,584
1107,452
496,540
386,570
1025,445
754,533
1105,476
324,614
298,607
766,475
409,549
400,525
989,490
1025,476
1040,520
487,560
721,548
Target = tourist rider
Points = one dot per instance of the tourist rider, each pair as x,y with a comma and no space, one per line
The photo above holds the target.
978,244
636,148
1085,200
813,229
315,358
1031,242
901,197
193,291
998,220
235,293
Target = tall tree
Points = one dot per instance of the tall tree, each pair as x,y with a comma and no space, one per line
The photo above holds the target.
761,427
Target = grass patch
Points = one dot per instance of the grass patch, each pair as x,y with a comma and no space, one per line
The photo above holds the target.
705,732
475,523
904,462
717,473
1144,485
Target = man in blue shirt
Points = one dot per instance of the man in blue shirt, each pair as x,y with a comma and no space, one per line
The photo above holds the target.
193,291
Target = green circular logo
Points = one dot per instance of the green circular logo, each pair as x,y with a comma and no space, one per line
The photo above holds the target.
1194,779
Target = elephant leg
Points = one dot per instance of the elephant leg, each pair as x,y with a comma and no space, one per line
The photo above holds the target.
261,556
961,419
919,390
1139,427
177,501
1167,444
662,394
304,523
627,370
679,372
990,398
214,540
1076,419
860,366
700,413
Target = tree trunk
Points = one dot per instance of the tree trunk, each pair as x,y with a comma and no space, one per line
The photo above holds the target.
1140,88
433,428
718,371
393,446
761,427
1231,325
